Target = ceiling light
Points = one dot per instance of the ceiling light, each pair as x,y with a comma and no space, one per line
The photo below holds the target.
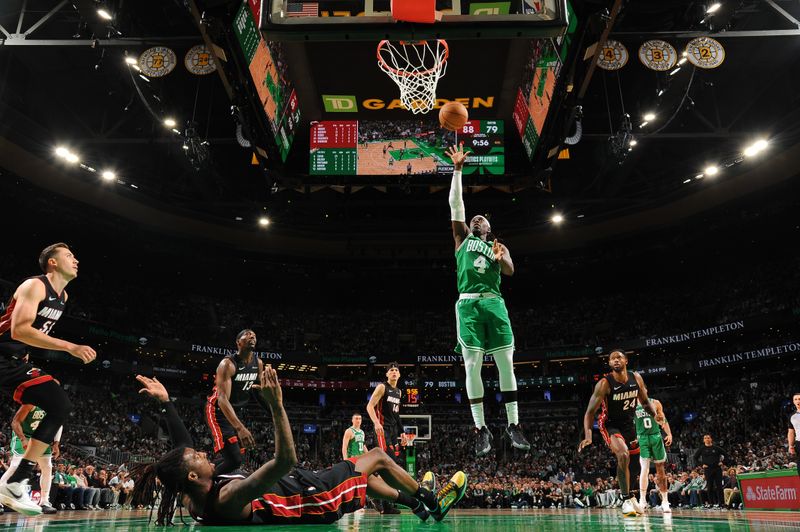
176,131
687,181
557,218
675,71
682,61
185,146
643,123
105,15
761,144
61,151
660,92
713,8
71,157
130,60
750,151
685,53
170,122
634,142
649,116
108,175
699,176
144,78
263,221
711,170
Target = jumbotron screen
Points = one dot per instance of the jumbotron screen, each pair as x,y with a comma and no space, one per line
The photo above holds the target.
405,147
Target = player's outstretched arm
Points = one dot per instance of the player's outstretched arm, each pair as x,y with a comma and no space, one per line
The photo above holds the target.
28,296
235,497
600,392
178,434
225,372
458,217
643,399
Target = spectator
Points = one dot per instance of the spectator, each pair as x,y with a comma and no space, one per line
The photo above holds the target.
732,497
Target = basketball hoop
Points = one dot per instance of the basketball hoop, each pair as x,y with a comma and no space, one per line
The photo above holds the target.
409,439
416,67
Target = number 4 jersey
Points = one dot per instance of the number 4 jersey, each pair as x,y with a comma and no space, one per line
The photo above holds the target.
29,425
476,269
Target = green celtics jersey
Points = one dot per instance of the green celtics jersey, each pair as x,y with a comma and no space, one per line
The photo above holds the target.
476,269
29,425
645,423
355,447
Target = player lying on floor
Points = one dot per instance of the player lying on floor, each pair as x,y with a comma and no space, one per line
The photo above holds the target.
278,492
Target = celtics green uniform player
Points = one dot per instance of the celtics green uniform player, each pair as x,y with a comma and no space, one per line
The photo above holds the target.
25,422
353,441
482,323
652,447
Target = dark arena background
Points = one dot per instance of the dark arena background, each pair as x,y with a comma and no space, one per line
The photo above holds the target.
226,165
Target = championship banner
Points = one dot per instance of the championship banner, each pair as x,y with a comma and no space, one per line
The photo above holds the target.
705,52
770,490
157,62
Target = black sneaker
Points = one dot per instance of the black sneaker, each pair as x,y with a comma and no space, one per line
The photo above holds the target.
483,441
389,508
514,433
47,509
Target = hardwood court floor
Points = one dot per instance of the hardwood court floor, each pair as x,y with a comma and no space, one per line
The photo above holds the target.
456,521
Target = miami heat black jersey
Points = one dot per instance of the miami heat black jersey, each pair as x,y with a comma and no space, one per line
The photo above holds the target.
48,312
389,406
244,376
619,406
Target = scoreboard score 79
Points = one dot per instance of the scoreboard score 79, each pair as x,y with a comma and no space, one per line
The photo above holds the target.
483,139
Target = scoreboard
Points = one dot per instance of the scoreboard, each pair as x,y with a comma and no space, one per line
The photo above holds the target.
334,148
370,147
484,138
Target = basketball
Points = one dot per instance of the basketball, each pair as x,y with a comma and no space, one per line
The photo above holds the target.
453,116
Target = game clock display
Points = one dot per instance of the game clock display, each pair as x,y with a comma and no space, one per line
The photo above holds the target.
403,147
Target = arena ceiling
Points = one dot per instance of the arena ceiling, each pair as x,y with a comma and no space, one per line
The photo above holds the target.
66,83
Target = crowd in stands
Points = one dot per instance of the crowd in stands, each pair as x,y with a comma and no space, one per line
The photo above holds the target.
746,418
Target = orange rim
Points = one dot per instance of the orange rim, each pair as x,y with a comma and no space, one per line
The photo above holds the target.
381,61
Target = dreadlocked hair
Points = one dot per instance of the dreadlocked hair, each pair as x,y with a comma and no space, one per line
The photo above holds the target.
170,472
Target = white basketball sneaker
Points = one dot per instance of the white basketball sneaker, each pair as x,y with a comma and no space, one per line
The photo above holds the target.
628,509
15,495
665,507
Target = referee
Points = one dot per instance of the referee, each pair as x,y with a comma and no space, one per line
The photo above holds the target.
794,429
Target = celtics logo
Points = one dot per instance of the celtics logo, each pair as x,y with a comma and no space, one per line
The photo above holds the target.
199,61
705,52
658,55
613,56
157,62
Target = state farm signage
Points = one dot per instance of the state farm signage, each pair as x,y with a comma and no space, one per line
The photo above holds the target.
771,492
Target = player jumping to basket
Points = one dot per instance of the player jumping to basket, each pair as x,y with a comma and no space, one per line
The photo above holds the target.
482,323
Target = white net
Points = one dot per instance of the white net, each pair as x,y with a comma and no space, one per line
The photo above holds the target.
416,68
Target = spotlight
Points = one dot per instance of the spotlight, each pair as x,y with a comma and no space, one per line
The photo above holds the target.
62,152
643,123
263,221
713,8
72,158
649,116
682,61
699,176
103,14
687,181
130,60
634,142
675,71
711,170
108,175
557,218
750,151
144,78
170,122
761,144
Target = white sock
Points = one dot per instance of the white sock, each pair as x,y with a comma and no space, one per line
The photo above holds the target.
512,413
477,414
664,499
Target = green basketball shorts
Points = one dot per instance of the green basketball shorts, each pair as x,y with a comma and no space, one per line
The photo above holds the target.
482,324
652,446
